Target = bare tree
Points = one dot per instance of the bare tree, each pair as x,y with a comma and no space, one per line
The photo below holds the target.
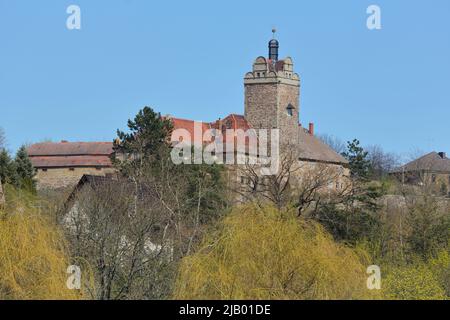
303,185
273,188
321,184
123,246
333,142
381,162
135,229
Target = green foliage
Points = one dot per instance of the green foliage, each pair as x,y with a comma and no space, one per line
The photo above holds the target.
148,134
18,172
440,265
350,226
8,171
267,254
429,229
358,162
205,189
414,282
25,170
356,217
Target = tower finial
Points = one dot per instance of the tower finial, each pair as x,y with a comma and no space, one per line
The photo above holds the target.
273,47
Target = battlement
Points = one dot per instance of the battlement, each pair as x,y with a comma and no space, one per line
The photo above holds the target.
269,71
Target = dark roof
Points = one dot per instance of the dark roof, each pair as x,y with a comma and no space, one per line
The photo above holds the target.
71,154
434,161
91,180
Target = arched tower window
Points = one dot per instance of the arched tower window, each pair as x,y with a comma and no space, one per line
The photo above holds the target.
290,110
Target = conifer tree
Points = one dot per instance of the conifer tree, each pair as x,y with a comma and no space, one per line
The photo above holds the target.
8,172
358,160
25,170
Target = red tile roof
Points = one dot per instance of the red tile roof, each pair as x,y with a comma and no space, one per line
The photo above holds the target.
189,125
71,154
233,121
97,154
70,148
70,161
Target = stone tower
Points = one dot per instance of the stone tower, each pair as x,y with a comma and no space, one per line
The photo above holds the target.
272,92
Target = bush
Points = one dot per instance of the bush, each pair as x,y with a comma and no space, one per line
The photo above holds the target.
440,265
415,282
33,257
265,254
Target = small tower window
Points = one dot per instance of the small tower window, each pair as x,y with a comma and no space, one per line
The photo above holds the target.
290,110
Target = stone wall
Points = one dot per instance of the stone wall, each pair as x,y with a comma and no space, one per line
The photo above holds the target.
261,105
55,178
304,170
269,95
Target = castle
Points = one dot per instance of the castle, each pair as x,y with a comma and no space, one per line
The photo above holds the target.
272,101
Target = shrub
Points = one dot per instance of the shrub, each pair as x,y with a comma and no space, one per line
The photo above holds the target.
265,254
33,257
415,282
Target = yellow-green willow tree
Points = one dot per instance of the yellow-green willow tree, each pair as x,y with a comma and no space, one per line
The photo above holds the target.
33,255
266,254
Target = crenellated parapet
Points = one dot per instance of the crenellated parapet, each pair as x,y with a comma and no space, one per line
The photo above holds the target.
270,71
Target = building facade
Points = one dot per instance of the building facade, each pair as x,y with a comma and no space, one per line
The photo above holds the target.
272,101
431,171
62,164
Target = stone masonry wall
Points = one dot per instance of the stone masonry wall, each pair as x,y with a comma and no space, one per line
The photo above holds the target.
260,105
64,177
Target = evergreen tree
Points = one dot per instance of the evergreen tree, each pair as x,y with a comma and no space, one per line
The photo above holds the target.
8,172
148,133
25,170
358,160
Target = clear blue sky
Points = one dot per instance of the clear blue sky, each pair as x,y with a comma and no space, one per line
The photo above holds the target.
188,58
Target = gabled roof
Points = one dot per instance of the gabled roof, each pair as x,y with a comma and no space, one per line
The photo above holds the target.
70,148
70,161
313,149
70,154
93,181
434,161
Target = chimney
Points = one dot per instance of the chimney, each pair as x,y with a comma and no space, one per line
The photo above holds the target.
443,155
311,128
